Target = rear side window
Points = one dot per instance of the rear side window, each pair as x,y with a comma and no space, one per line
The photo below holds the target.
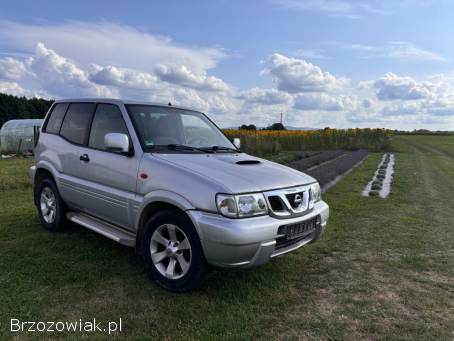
56,118
108,119
76,125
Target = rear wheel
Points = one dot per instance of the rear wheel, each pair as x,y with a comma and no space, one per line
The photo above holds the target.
172,251
51,208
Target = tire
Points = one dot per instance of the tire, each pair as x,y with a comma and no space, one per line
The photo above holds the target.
55,221
180,266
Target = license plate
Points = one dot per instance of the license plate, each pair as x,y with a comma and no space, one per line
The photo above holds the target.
300,229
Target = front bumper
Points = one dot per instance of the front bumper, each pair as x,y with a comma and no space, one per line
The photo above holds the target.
251,241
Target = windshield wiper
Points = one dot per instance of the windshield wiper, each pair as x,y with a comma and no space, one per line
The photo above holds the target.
184,147
216,148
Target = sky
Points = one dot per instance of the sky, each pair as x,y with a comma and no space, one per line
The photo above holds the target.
336,63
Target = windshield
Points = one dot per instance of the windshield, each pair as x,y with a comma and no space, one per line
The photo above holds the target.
167,127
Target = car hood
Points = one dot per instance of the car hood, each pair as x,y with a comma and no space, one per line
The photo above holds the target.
239,173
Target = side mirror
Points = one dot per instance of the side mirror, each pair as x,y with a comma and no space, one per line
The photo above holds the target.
117,142
237,142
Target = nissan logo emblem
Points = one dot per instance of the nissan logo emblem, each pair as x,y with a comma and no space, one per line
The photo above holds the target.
297,200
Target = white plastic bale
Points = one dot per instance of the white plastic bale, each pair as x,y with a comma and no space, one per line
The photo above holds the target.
16,136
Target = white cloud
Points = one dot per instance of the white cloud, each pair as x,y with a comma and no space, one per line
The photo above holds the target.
367,103
11,88
48,72
108,44
265,96
321,101
351,9
14,88
331,7
12,69
404,103
181,75
62,77
121,77
399,50
294,75
306,94
401,109
407,51
394,87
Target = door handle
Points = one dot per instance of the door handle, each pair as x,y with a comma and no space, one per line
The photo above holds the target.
84,158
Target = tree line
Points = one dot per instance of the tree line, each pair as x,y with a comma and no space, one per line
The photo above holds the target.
13,107
274,126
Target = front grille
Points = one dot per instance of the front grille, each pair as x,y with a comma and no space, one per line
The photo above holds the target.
291,199
276,203
283,242
289,202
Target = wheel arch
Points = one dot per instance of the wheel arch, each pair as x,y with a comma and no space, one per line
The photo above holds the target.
158,201
45,167
42,172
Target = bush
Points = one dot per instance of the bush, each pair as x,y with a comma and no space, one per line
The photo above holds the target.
376,186
377,182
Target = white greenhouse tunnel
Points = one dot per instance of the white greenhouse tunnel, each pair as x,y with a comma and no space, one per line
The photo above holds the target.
16,136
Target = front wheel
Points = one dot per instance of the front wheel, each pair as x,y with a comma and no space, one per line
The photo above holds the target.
51,208
172,251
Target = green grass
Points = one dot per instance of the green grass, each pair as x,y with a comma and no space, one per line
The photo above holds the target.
14,173
383,270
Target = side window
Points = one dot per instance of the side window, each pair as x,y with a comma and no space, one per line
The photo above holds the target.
108,119
56,118
77,121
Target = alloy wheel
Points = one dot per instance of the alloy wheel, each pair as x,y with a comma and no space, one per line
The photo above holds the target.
170,251
48,205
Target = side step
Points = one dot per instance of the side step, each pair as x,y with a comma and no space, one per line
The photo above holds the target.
103,228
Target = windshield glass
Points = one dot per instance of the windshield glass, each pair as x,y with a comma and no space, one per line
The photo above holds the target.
169,127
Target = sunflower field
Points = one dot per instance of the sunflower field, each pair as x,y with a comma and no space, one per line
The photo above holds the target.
266,142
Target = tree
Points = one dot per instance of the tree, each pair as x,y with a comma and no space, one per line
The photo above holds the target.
247,127
13,107
276,126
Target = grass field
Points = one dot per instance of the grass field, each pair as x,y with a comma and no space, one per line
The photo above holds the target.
383,270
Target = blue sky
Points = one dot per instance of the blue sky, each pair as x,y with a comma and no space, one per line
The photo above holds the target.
338,63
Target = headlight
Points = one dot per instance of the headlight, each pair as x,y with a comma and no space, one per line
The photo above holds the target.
316,192
243,205
227,205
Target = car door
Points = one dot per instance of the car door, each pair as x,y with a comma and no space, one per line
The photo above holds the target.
74,134
109,178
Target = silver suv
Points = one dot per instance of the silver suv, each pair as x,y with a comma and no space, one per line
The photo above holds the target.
168,182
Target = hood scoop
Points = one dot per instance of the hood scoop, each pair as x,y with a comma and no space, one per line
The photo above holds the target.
248,162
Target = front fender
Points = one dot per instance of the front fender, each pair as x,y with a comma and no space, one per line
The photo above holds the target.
156,196
168,197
